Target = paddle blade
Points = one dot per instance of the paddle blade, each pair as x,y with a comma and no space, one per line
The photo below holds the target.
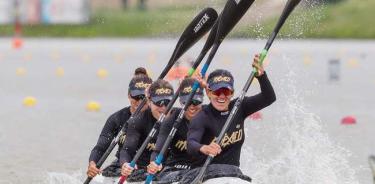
207,46
199,26
229,17
289,7
231,14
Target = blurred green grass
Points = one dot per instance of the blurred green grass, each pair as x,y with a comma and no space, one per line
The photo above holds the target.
347,19
116,23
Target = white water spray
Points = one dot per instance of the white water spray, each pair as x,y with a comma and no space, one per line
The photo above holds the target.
297,149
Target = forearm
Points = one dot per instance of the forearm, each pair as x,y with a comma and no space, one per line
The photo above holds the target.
193,148
267,90
99,149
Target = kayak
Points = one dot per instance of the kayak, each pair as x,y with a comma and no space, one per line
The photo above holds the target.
226,180
215,173
222,180
109,180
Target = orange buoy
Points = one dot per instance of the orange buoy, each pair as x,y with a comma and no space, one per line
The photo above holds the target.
256,116
17,43
348,120
17,40
178,72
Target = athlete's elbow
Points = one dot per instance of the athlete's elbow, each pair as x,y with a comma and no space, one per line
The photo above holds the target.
191,148
272,99
268,99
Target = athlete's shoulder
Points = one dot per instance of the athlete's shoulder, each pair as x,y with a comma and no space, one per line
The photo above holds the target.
124,112
202,115
142,117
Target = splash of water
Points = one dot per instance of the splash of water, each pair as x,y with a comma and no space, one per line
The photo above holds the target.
299,151
311,14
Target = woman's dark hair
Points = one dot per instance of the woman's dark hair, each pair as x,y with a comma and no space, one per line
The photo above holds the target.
140,71
138,82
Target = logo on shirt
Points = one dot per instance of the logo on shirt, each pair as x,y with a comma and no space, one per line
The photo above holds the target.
122,139
151,146
178,166
233,138
181,145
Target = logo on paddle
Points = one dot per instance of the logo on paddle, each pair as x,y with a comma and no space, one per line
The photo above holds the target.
201,22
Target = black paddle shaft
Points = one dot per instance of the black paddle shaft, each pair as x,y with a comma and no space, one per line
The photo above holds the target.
289,7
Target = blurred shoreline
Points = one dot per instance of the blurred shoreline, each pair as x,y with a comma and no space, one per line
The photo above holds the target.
313,20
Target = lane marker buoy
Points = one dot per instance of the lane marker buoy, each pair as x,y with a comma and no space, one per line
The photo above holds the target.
353,63
102,73
21,71
60,71
29,101
93,106
348,120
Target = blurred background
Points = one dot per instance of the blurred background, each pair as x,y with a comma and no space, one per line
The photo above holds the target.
65,66
156,18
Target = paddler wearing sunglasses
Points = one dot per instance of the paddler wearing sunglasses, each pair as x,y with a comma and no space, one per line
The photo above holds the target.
208,123
177,160
136,92
160,93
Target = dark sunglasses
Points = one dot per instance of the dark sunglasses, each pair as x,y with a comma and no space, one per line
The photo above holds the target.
161,103
138,97
225,91
194,102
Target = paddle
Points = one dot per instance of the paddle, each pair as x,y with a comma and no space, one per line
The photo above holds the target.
199,26
291,4
229,17
207,46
